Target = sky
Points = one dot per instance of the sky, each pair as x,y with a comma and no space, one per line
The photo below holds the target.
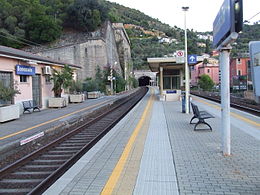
200,16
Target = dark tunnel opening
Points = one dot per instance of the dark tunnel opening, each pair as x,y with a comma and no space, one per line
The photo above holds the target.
144,80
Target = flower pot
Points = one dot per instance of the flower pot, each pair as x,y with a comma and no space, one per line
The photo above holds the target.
57,102
76,98
9,112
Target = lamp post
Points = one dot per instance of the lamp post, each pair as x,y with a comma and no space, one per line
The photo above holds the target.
111,79
187,74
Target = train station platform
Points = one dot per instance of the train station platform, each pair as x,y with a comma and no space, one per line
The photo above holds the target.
154,150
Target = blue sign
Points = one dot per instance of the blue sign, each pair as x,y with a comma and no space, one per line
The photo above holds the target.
222,24
25,70
192,59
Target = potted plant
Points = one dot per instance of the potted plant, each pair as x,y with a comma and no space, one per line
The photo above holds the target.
75,90
8,111
61,80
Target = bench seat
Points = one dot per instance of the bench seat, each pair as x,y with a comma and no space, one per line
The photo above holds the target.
30,104
201,116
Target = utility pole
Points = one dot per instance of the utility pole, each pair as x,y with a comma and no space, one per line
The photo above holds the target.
111,79
187,74
225,99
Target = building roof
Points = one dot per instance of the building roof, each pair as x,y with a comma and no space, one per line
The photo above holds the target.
29,57
155,63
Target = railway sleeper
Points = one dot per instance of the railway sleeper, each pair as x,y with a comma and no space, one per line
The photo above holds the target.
81,138
86,133
55,156
75,148
72,144
19,183
62,152
36,168
78,142
47,162
20,191
29,175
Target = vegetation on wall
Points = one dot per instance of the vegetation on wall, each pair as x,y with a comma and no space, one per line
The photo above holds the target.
100,82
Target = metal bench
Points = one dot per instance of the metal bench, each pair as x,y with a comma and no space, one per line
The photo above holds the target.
30,104
201,116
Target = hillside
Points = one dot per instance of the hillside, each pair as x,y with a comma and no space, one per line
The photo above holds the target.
41,22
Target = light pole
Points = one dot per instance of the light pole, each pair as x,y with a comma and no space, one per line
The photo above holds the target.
111,79
187,74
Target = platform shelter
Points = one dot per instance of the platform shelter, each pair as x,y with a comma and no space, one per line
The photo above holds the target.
171,75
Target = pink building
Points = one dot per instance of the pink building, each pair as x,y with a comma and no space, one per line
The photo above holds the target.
31,73
239,73
211,69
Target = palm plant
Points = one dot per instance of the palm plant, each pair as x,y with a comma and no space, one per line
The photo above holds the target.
61,79
7,93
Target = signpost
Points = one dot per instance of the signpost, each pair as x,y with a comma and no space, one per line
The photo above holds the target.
180,56
228,23
192,59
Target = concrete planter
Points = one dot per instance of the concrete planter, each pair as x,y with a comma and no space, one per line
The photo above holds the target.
57,102
93,94
9,112
76,98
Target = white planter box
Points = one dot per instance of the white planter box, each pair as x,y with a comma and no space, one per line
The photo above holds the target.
9,112
57,102
76,98
93,94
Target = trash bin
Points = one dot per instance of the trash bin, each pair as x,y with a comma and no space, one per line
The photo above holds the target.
183,102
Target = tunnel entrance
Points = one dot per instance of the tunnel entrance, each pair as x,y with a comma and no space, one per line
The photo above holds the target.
144,80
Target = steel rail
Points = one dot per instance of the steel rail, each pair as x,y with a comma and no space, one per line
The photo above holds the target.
233,105
51,178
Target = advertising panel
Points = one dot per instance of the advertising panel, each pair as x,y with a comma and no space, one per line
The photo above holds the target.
254,49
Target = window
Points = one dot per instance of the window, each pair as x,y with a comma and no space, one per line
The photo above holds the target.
6,78
48,79
167,82
239,72
172,82
208,70
238,61
176,82
23,78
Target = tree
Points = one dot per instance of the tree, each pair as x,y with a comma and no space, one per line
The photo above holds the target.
42,28
87,15
205,82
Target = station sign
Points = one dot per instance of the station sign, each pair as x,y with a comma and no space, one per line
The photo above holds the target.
24,70
228,20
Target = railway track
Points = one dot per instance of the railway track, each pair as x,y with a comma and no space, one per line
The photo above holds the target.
34,173
235,104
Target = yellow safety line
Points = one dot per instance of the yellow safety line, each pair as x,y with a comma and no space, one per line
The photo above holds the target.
41,124
112,181
231,113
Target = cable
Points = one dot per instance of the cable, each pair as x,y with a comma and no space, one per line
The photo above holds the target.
16,39
21,38
252,17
